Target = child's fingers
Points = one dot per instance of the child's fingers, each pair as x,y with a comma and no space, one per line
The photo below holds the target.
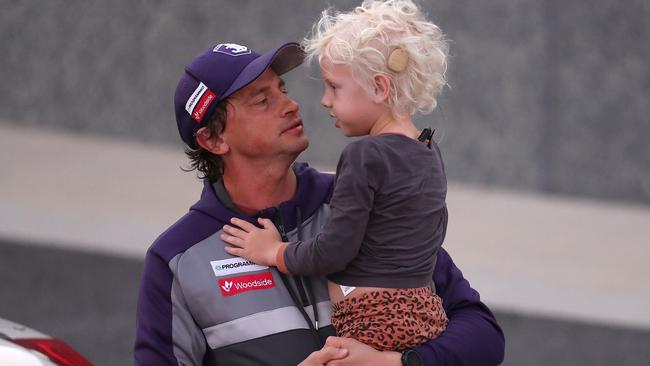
233,231
232,240
244,225
237,252
266,223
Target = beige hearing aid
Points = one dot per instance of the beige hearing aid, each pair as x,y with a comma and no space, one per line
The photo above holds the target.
398,60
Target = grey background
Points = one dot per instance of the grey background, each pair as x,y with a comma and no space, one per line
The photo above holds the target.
547,95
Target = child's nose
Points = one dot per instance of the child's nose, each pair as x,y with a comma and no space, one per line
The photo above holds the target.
325,101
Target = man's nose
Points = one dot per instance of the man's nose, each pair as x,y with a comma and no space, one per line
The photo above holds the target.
291,106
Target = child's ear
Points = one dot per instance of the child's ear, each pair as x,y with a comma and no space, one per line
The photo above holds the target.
214,144
382,88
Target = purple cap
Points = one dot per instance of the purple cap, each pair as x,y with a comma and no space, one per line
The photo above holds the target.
219,72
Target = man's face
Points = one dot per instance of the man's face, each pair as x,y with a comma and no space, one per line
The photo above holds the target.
262,121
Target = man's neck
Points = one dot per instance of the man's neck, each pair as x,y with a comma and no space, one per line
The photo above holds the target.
259,185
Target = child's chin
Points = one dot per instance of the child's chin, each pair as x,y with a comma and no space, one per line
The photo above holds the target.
352,134
346,132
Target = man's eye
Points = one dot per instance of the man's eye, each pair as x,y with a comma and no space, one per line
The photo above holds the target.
263,101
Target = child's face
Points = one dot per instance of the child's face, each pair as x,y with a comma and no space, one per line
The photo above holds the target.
355,112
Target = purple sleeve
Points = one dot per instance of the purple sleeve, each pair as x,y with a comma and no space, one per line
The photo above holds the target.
153,340
473,336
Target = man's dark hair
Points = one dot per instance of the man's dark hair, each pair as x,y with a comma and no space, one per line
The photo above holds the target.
208,165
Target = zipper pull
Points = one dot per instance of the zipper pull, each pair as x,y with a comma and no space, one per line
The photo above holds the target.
279,224
283,234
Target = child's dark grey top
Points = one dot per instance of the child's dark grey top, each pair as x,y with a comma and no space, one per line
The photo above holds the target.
388,217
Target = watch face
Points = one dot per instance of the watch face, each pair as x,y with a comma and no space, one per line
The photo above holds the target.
411,358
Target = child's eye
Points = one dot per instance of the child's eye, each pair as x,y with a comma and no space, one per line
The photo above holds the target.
330,85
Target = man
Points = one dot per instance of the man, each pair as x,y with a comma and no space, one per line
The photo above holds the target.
200,306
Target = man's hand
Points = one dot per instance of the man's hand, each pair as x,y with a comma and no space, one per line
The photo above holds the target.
361,354
255,244
324,355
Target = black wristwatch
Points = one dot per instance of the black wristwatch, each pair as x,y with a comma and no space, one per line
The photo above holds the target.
411,358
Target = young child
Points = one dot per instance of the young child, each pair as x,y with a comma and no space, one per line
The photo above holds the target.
380,63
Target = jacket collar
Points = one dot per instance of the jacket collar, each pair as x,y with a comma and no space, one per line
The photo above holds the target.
313,189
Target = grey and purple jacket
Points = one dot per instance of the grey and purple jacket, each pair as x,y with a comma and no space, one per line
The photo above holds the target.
200,306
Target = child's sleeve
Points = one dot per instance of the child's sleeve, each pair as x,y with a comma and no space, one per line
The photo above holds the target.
341,237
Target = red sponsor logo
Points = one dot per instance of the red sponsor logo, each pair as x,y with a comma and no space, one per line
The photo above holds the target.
203,105
237,285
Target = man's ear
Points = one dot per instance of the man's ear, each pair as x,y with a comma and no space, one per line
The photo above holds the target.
382,88
214,144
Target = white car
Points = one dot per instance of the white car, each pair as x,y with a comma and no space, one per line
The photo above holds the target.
23,346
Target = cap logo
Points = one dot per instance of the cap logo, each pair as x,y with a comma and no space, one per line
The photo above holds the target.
199,102
231,49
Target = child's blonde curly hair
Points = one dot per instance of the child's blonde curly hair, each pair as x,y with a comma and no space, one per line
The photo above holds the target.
364,38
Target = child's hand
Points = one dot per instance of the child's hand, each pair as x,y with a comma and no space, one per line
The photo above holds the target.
250,242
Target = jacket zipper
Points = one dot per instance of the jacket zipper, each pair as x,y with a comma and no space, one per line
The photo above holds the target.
299,283
303,301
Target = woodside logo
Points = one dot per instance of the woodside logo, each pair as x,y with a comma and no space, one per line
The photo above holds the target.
237,285
204,103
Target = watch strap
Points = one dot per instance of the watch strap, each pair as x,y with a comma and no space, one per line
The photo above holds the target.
411,358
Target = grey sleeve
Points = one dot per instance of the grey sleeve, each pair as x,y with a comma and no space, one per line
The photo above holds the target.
166,333
350,206
189,343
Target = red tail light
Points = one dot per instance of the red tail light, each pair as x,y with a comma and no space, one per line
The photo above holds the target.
57,351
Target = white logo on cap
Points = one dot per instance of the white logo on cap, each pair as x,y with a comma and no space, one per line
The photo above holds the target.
232,49
195,97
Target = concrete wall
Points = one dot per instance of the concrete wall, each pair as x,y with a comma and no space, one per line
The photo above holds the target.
551,95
